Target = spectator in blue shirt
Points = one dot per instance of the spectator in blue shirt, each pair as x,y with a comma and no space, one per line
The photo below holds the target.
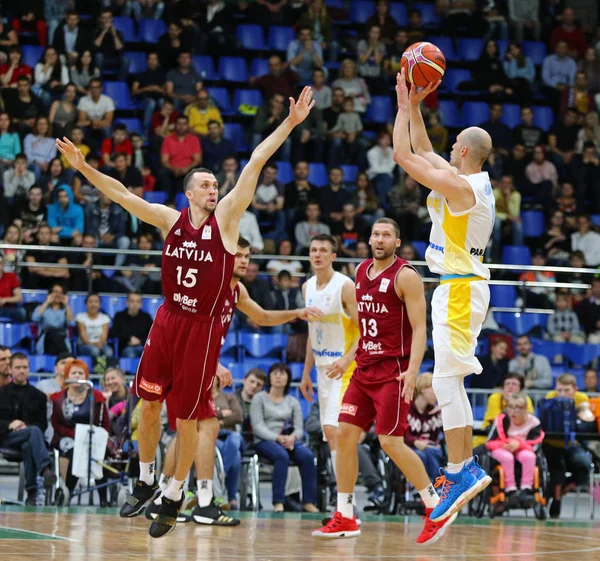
215,148
558,72
304,55
54,316
10,143
65,216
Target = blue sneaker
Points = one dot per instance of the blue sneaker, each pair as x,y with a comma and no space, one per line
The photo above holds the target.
478,472
456,490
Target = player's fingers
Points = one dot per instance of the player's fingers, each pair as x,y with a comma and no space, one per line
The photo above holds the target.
312,104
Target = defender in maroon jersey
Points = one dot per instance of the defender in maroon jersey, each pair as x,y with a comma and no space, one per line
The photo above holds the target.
391,316
182,350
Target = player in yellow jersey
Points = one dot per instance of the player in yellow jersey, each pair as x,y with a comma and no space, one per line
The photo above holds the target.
462,209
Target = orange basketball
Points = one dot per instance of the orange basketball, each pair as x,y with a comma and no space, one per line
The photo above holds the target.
423,63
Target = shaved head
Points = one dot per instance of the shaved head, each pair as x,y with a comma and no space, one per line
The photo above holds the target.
478,142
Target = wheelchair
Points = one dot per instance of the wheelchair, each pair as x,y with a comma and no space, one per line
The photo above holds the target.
494,497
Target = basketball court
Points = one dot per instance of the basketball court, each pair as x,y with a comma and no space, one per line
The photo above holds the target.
86,534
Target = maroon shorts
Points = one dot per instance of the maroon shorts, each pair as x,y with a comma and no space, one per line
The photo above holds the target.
374,394
179,361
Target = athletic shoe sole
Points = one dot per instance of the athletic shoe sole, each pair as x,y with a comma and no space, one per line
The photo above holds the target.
442,530
212,522
461,501
181,519
141,507
344,534
483,484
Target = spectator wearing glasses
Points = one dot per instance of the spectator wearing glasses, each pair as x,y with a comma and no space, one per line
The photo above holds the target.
200,113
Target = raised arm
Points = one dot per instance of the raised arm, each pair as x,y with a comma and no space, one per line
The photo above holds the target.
232,207
443,181
160,216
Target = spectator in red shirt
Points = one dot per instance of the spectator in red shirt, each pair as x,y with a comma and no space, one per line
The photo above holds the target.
11,70
569,32
180,153
118,143
10,295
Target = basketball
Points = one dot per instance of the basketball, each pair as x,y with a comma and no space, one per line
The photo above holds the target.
423,63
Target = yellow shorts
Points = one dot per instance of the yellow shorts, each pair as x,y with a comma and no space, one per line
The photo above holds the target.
459,307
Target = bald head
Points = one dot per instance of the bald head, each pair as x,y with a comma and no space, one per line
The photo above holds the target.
478,142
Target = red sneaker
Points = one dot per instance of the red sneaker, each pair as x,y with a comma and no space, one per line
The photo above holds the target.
433,531
338,527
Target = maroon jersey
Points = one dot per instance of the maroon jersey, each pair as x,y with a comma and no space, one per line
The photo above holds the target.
229,309
196,267
385,330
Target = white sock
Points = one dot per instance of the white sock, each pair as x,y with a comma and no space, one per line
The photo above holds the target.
429,496
147,472
454,468
163,481
204,491
468,461
345,504
174,490
333,462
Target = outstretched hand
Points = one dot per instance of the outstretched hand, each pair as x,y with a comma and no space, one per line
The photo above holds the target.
72,154
300,109
415,97
402,91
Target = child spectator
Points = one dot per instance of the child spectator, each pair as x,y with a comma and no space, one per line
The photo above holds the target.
77,140
346,147
563,325
381,165
515,435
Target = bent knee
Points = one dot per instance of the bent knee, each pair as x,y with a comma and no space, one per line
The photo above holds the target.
392,442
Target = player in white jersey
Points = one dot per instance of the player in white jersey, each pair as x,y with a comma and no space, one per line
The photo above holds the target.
462,209
333,337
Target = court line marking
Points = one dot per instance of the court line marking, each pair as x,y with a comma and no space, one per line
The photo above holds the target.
46,535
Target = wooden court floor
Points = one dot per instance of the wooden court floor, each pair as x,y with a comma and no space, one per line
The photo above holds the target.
80,534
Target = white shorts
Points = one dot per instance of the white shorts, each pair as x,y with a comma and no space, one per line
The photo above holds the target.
458,310
331,393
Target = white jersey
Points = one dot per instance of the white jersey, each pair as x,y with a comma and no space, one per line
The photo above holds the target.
334,332
458,240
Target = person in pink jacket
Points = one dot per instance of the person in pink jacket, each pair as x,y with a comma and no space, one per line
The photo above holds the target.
514,436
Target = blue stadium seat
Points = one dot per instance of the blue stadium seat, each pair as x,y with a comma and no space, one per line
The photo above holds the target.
478,412
152,29
350,173
41,363
297,368
129,365
453,77
236,368
317,174
235,133
233,69
77,303
133,125
263,363
34,296
399,12
450,114
259,67
263,344
557,370
503,295
380,110
502,45
127,27
113,304
469,49
137,62
285,172
251,37
543,117
520,324
280,37
595,219
220,96
230,346
420,248
533,222
87,360
181,201
119,91
151,305
429,18
475,112
12,333
361,11
535,50
305,405
511,114
516,255
156,197
446,46
581,355
205,66
246,97
550,349
31,54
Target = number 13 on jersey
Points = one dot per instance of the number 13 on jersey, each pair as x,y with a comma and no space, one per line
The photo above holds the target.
369,327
